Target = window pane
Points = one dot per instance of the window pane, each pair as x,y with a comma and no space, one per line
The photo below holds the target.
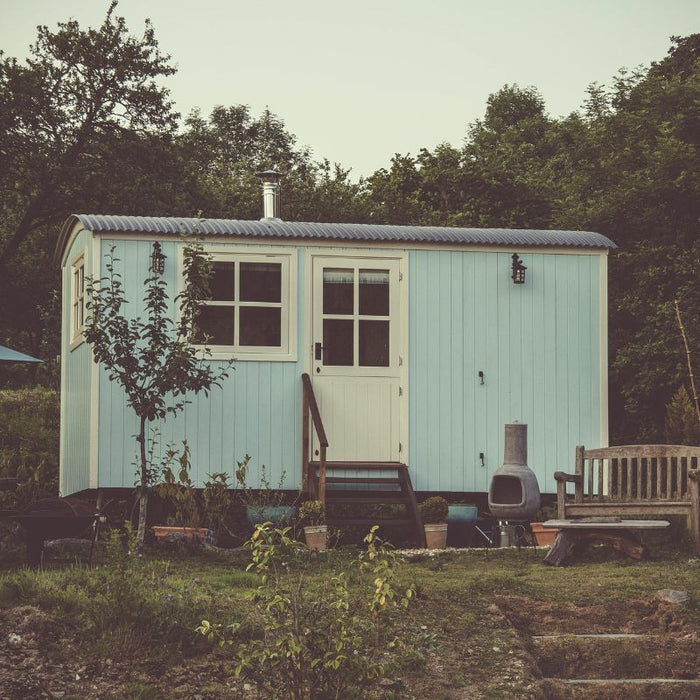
374,292
261,282
337,290
374,343
221,284
337,342
216,322
260,325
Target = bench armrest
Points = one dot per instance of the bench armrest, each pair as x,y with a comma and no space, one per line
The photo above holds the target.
564,477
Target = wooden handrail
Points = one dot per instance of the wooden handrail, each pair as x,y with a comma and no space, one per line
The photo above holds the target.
311,407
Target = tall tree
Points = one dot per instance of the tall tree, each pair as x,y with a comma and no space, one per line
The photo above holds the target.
84,124
78,88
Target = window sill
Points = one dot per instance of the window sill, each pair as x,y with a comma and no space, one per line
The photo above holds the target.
76,342
238,356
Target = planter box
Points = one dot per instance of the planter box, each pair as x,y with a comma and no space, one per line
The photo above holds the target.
195,533
277,515
545,536
436,535
461,521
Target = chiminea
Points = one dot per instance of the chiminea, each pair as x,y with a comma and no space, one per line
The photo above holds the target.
514,493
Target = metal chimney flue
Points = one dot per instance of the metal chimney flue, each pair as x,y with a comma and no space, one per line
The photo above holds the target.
271,194
514,493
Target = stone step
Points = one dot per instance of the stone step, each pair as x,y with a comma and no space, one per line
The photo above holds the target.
622,635
627,681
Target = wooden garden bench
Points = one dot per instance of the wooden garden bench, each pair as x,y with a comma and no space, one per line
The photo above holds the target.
642,480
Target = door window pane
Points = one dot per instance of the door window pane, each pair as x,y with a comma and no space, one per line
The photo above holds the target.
374,343
260,325
221,283
338,290
261,282
216,323
374,292
337,342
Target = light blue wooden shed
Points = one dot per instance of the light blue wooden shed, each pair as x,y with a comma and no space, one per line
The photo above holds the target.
421,343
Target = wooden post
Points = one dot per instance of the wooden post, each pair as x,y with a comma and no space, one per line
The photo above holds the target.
307,484
580,464
694,515
561,498
322,477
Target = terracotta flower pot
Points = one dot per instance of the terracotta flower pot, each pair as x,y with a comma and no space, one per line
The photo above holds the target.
436,535
316,537
545,536
195,533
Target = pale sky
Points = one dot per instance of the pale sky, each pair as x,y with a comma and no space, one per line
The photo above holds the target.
360,80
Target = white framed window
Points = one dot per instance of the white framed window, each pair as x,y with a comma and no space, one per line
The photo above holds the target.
252,310
77,300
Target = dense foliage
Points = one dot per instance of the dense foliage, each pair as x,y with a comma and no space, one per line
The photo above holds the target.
29,420
626,165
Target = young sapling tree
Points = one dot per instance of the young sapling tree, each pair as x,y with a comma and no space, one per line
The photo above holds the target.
154,359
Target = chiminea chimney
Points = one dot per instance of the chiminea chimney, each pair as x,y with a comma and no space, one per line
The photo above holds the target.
271,193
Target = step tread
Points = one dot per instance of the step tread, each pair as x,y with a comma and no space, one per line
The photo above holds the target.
365,500
620,681
360,465
340,522
602,635
362,480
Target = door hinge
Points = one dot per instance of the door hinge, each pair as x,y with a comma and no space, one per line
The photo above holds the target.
400,391
400,447
400,276
400,360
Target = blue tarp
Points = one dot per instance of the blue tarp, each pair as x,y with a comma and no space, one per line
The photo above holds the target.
7,355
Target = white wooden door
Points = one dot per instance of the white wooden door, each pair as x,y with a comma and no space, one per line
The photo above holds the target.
357,357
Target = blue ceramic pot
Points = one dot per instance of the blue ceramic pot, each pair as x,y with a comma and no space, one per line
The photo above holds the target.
277,515
460,525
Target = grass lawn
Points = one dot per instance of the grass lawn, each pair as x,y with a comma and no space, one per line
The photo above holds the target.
125,628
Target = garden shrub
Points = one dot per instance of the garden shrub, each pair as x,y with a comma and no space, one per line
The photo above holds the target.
29,433
315,644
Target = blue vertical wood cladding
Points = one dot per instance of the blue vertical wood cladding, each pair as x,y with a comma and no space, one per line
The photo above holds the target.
256,411
75,393
537,344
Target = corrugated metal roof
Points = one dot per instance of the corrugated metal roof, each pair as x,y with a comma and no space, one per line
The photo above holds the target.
382,233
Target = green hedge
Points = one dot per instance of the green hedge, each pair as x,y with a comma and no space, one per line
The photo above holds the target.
29,429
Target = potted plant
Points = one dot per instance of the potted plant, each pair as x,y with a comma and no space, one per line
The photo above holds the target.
312,517
181,494
461,519
433,512
264,504
544,536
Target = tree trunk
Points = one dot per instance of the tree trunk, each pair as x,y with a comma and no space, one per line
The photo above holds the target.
143,495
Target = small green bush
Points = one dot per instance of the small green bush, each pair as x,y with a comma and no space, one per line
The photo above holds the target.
312,513
29,430
317,644
434,510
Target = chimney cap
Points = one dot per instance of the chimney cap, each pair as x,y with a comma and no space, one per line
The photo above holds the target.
271,175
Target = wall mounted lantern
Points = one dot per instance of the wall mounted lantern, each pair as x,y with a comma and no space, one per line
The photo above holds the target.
518,270
157,259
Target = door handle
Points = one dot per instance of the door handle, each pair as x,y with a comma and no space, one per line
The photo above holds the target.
318,351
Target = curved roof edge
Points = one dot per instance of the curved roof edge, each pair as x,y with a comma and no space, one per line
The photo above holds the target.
275,228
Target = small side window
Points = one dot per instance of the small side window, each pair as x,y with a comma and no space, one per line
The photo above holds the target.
77,296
